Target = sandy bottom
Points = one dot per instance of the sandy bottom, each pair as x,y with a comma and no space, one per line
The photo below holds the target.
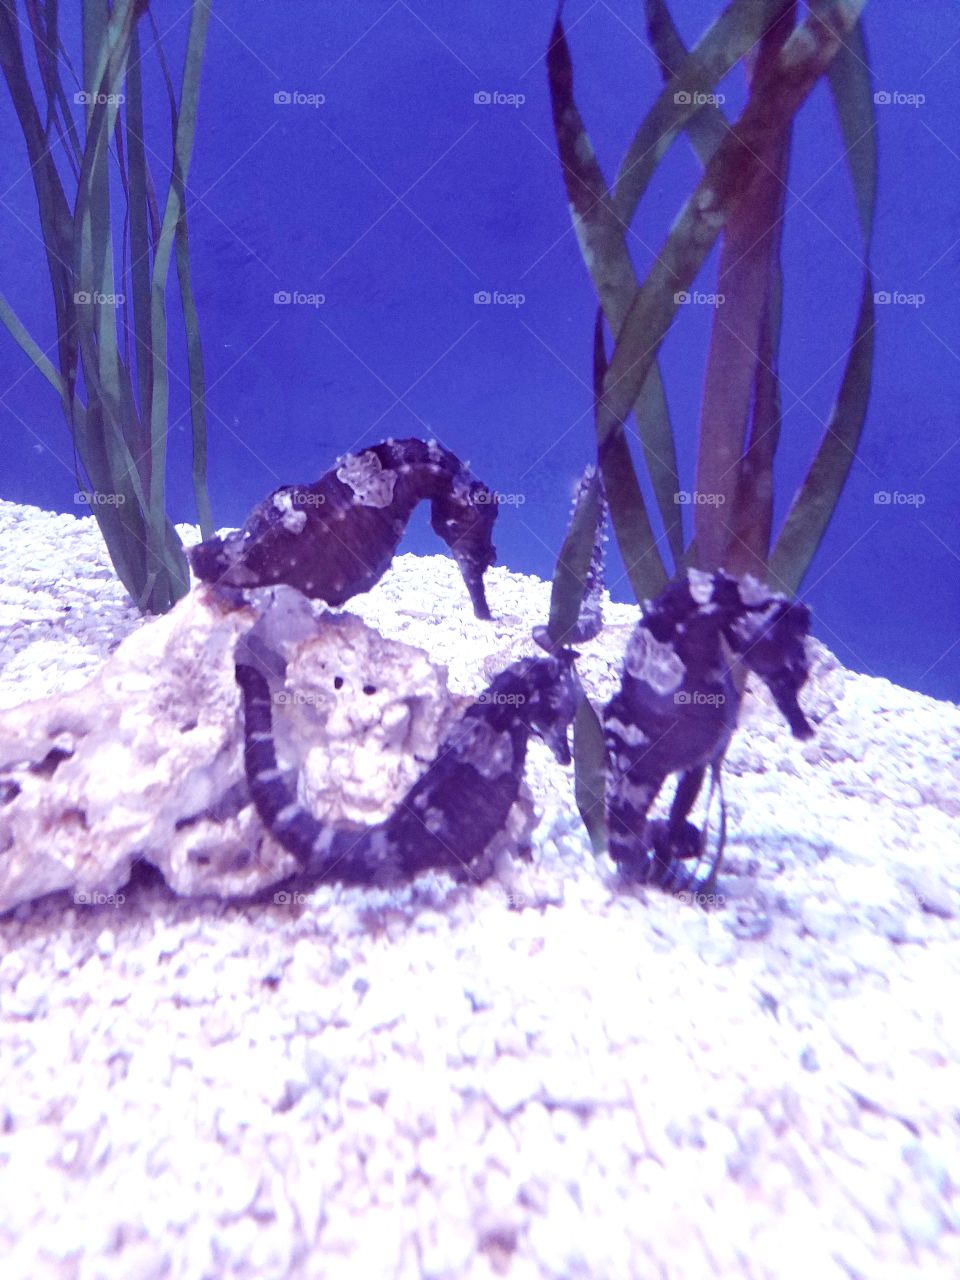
550,1077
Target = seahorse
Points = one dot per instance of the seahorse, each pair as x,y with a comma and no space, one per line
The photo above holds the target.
337,537
677,708
452,814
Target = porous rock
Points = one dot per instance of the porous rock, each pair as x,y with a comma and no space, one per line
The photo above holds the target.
146,760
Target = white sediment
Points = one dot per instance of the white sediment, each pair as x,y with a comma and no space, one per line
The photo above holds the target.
541,1077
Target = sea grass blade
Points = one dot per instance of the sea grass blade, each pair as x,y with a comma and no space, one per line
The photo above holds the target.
47,47
814,504
93,254
173,211
21,336
579,568
54,211
721,47
198,411
601,235
728,176
574,561
185,117
635,537
590,767
140,246
752,517
731,521
707,127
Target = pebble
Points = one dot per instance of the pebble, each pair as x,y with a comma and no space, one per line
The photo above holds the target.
932,893
510,1083
28,999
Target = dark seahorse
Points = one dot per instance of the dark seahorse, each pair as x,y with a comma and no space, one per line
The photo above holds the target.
337,537
453,813
677,708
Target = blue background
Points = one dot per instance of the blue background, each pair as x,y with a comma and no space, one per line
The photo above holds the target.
399,198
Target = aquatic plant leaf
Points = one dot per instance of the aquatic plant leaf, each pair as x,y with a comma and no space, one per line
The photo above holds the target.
601,235
140,245
578,572
721,47
628,511
590,767
734,511
173,211
707,127
22,337
185,117
108,430
814,504
730,172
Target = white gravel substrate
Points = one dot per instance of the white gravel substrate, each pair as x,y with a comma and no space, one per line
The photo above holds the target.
549,1079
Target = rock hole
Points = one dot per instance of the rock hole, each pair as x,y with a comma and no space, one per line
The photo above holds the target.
369,688
338,682
188,727
9,790
48,766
